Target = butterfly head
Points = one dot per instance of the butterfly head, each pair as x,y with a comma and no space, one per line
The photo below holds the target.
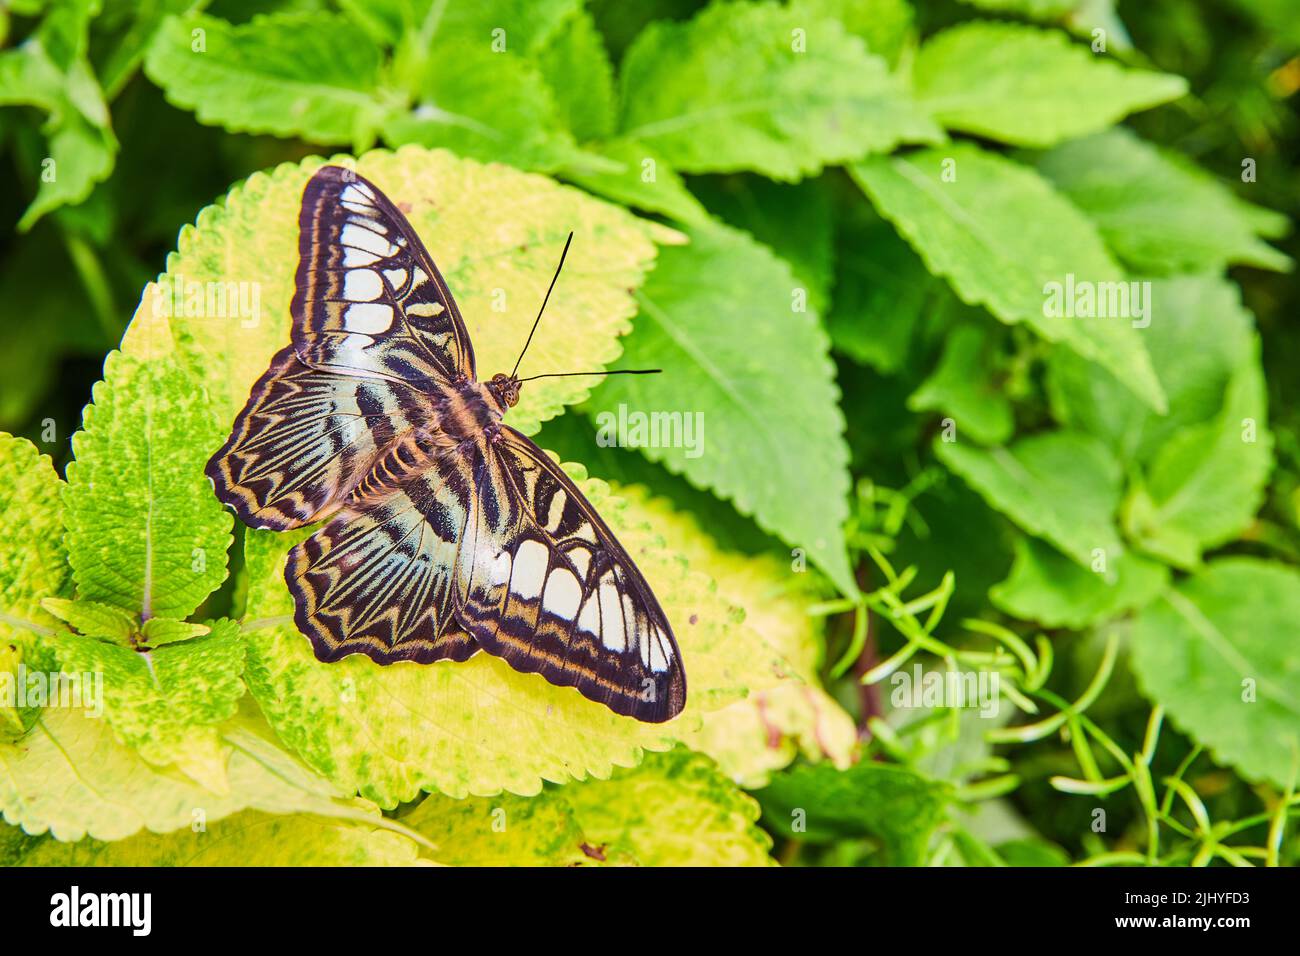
505,390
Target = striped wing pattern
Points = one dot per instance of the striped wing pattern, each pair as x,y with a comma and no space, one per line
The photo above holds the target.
446,535
377,579
496,541
553,592
305,439
368,300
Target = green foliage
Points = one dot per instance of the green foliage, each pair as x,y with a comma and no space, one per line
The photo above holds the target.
895,806
1031,87
707,313
141,523
1000,234
1157,211
842,228
731,90
1214,652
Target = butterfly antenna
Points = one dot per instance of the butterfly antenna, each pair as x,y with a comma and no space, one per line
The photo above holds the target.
543,308
612,371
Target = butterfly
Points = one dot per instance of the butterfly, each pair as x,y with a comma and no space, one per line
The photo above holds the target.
448,531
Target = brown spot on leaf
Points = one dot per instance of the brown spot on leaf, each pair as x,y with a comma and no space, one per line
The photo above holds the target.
595,852
405,207
694,619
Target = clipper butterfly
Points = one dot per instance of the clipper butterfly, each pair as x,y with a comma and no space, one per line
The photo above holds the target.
447,531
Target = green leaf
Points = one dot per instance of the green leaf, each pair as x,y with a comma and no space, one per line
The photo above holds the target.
250,838
144,531
643,179
886,26
71,777
674,809
129,48
1206,482
730,90
158,631
720,316
516,26
1198,337
1027,86
1218,653
312,75
1159,213
1032,851
1001,236
506,830
50,71
791,219
512,119
94,619
33,567
479,727
1061,486
896,806
165,704
1047,587
496,235
576,67
965,387
882,293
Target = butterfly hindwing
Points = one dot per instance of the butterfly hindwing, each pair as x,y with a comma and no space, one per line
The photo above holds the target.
553,592
305,438
379,579
368,299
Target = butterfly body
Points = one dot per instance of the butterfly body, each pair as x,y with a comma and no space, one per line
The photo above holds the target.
449,532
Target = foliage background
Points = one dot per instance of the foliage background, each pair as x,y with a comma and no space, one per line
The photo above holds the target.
1128,731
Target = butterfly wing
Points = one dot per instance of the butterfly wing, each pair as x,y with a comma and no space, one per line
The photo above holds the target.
376,338
305,438
368,299
379,578
490,539
552,591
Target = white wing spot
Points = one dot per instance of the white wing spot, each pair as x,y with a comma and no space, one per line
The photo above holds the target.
358,257
563,594
611,617
396,277
659,653
360,237
368,317
355,192
530,569
589,619
555,513
362,285
426,309
581,559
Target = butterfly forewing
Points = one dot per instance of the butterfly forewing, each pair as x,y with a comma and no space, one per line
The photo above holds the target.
305,438
450,532
368,300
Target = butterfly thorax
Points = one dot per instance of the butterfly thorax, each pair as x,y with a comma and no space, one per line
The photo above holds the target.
470,408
